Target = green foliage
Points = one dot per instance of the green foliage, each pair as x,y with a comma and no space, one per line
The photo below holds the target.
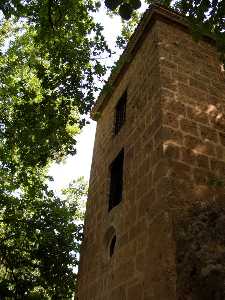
47,73
77,190
112,4
128,28
125,8
39,242
48,63
135,4
125,11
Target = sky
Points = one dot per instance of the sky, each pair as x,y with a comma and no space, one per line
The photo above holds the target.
80,164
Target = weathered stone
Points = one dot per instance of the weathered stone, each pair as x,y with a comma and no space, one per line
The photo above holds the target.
174,148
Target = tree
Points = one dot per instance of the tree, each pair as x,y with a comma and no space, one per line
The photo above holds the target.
39,243
47,77
49,58
76,192
205,17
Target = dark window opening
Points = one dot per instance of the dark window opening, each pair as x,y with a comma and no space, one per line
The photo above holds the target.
116,180
112,246
120,113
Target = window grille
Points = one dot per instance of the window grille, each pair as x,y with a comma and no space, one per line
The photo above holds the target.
120,113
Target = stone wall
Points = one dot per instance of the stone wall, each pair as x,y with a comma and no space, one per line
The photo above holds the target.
174,144
193,97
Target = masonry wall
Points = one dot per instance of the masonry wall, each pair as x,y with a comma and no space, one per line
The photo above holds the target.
174,142
193,132
193,108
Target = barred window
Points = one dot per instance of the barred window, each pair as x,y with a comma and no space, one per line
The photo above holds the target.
120,113
116,180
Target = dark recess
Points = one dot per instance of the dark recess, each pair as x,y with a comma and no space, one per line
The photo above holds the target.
116,180
112,246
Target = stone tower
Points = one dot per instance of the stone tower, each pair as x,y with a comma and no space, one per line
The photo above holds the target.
160,139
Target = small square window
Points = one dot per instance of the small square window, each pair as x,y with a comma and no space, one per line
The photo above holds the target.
120,113
116,180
